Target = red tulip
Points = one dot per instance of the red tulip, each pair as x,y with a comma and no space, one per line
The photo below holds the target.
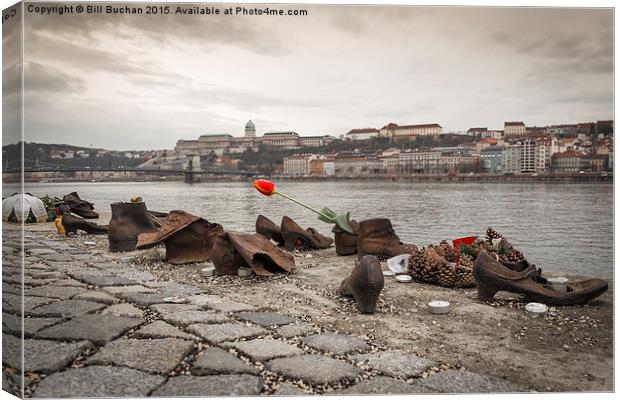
265,187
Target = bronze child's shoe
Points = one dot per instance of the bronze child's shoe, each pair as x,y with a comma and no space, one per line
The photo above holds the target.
296,237
492,276
188,238
80,207
346,243
127,222
266,227
364,284
377,237
71,223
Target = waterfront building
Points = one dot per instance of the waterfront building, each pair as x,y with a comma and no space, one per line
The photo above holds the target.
514,129
511,159
492,134
316,167
491,159
453,163
484,143
568,161
360,134
329,167
528,154
421,161
390,163
297,165
398,133
476,132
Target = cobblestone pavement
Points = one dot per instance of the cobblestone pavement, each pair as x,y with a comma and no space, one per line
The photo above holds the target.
96,326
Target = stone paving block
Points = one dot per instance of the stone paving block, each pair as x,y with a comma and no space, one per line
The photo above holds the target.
265,349
66,308
158,356
211,385
13,324
55,292
174,288
124,310
69,282
167,309
99,297
294,330
225,332
45,356
288,389
335,343
98,381
42,252
99,329
453,381
28,281
215,361
105,280
146,299
382,385
219,303
185,318
15,289
267,319
128,289
396,364
137,275
314,369
45,275
160,330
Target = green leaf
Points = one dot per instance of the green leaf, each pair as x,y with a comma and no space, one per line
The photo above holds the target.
343,221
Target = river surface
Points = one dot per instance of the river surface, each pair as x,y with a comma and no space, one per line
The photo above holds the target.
559,227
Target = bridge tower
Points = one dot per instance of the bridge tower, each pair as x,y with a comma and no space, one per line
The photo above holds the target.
189,172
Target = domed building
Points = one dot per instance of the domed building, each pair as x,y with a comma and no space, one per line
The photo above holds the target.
250,129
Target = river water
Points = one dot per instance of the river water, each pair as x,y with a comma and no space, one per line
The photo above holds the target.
560,227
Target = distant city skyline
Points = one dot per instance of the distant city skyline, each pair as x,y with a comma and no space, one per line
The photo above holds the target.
143,82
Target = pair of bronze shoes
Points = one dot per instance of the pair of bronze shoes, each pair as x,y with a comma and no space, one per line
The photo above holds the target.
192,239
371,237
492,276
290,235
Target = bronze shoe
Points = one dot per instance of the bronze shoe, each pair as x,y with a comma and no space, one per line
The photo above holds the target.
346,243
492,276
377,237
127,222
71,223
268,229
188,238
364,284
296,237
80,207
234,250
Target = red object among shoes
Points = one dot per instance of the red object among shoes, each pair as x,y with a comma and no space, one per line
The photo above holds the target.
467,241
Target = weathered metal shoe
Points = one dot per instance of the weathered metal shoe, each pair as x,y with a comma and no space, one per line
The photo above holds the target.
377,237
71,224
296,237
188,238
364,284
80,207
492,276
234,250
268,229
346,243
127,222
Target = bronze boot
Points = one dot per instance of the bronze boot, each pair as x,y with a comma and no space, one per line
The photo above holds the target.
346,243
492,276
268,229
71,223
127,222
377,237
364,284
188,238
296,237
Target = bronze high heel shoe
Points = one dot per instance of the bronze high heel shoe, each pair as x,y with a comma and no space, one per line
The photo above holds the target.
364,284
266,227
492,276
71,223
296,237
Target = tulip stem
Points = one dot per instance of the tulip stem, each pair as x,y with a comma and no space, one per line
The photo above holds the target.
301,204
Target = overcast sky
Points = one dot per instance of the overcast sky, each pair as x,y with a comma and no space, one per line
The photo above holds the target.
143,82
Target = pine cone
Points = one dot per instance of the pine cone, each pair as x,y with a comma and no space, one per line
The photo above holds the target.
492,234
464,272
